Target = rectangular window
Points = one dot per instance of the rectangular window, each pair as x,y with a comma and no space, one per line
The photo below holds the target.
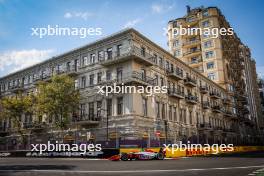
177,53
119,74
206,23
211,76
109,52
161,81
160,61
176,43
82,111
68,66
208,44
157,110
143,51
155,58
145,107
92,58
120,106
91,80
209,54
210,65
170,113
84,61
109,107
175,114
99,77
83,82
191,117
119,49
91,111
163,111
99,108
108,75
101,55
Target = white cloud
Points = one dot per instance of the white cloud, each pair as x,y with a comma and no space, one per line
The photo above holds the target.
260,71
82,15
132,23
18,60
161,8
67,15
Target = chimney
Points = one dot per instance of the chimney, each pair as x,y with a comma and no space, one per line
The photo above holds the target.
188,9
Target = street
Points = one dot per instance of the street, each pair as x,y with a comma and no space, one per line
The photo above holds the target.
216,166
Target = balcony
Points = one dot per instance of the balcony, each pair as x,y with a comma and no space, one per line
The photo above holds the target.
192,52
35,127
215,95
87,119
227,101
206,105
204,126
216,109
72,70
188,81
129,53
175,93
191,99
196,62
17,88
176,74
191,43
228,113
204,89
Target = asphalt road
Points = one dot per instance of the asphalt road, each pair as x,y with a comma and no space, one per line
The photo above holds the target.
206,166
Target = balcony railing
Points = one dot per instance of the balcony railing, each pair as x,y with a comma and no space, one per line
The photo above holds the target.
215,95
206,105
191,42
205,126
227,100
204,89
174,73
87,119
126,54
192,52
191,99
143,78
190,81
195,62
175,93
216,108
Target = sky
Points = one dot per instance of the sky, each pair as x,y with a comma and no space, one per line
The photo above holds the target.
20,49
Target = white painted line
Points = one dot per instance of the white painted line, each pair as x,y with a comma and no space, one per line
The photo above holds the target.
134,171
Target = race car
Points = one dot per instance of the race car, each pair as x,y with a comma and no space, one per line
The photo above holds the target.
144,155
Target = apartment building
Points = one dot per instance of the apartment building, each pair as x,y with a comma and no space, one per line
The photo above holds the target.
194,108
224,59
261,92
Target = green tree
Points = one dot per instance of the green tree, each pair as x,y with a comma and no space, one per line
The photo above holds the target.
13,108
57,99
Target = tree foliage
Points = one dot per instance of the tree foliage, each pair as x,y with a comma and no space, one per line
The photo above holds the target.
58,99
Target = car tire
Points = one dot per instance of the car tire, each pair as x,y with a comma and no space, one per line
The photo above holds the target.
124,157
160,156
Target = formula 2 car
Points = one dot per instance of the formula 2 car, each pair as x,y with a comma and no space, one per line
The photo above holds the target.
144,155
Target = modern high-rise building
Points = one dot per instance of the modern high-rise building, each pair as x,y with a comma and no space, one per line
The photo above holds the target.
222,58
